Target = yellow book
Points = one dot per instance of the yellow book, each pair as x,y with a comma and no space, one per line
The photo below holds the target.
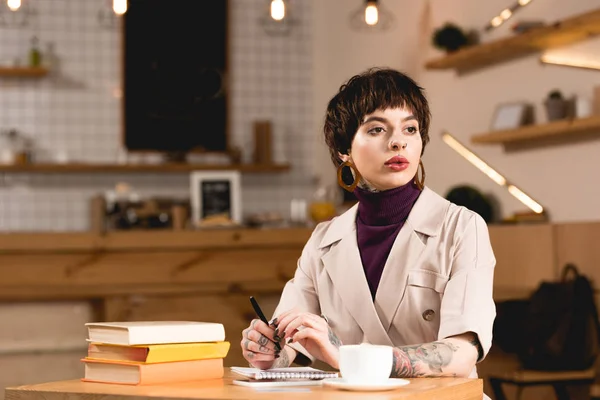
158,353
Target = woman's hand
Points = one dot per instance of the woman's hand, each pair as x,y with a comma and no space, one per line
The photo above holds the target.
313,333
258,345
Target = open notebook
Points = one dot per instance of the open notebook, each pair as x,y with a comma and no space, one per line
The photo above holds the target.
281,376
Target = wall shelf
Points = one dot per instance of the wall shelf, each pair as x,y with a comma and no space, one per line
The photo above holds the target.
567,31
139,168
553,130
23,72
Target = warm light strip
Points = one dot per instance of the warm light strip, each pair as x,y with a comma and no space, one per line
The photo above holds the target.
570,62
473,159
491,173
523,198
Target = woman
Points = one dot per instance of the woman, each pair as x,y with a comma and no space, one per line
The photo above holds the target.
403,268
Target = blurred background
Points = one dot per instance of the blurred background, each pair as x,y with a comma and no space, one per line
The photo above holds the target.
163,159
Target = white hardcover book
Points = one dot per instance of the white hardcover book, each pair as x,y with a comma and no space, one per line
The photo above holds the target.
155,332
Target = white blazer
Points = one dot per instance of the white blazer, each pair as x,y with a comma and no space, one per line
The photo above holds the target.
437,281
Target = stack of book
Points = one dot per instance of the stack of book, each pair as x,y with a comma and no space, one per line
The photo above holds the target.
154,352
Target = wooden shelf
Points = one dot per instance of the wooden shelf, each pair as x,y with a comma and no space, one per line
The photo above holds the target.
561,33
23,72
552,130
139,168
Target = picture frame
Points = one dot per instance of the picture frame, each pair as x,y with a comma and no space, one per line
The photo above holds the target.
215,198
511,116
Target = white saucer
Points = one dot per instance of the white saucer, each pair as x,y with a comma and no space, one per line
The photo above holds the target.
341,383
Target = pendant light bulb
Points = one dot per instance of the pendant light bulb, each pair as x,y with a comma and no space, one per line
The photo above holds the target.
13,5
371,13
120,6
277,10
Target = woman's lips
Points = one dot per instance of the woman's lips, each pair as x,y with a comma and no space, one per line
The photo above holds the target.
397,163
397,166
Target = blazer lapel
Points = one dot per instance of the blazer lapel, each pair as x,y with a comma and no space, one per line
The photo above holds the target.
343,264
424,220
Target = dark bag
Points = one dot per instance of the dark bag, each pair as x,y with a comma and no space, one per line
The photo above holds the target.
556,329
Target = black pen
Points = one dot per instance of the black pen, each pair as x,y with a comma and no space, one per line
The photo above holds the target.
262,317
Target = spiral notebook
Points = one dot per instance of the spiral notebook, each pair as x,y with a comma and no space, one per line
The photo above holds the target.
284,374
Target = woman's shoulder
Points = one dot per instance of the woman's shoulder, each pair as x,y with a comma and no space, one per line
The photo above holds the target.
327,232
451,217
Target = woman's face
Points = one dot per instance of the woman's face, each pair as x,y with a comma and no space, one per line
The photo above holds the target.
387,148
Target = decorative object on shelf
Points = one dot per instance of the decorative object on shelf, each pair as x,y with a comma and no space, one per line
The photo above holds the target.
216,198
111,12
35,56
371,16
512,116
557,107
262,143
15,14
506,14
473,199
15,149
570,61
584,108
562,33
491,173
323,205
451,37
276,18
298,212
597,100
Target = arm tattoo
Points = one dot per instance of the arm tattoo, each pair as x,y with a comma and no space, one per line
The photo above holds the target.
475,342
333,339
283,361
411,361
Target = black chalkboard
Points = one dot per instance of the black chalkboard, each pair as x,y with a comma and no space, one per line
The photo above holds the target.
216,198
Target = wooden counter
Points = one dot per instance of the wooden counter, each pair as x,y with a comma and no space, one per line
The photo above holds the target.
86,265
418,389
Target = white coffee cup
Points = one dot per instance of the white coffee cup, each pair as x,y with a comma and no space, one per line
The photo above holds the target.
366,363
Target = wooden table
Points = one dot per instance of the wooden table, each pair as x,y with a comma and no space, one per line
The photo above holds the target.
419,389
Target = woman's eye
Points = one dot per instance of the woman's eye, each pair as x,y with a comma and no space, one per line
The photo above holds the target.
412,129
376,130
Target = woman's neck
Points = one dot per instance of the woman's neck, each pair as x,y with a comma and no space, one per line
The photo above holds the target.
386,207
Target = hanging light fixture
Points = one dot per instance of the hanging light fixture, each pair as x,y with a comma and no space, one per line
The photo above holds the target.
14,14
275,18
111,11
120,7
371,16
506,14
13,5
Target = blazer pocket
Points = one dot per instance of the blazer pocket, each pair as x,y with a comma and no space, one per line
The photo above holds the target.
427,279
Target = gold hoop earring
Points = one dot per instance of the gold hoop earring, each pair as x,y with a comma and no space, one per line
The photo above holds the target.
420,182
350,188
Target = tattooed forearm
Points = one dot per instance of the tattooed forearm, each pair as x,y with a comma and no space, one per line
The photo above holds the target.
283,361
423,360
333,339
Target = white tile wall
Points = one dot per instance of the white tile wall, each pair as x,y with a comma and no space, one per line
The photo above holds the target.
74,112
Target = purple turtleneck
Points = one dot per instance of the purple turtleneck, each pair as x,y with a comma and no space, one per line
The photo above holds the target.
380,217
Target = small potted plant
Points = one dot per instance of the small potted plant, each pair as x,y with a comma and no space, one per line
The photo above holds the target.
557,107
450,37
